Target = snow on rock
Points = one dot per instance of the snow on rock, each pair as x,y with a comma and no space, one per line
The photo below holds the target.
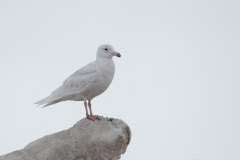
104,139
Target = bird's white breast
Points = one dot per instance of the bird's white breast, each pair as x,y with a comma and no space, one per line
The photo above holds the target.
101,79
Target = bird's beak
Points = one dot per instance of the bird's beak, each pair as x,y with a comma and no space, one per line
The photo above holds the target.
117,54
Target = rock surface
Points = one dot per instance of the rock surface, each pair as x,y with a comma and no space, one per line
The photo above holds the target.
104,139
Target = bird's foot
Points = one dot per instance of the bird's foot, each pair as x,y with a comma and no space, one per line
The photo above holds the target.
92,117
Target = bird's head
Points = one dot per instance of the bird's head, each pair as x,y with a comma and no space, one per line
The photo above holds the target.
107,51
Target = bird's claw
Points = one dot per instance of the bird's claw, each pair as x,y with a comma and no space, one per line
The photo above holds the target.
92,117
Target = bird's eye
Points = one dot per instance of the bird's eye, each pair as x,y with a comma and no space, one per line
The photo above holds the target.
106,49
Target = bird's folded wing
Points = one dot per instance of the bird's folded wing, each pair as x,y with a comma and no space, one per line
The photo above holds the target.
81,74
77,82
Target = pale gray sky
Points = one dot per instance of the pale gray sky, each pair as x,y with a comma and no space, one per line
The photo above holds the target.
176,85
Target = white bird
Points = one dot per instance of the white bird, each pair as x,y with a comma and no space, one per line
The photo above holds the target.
87,82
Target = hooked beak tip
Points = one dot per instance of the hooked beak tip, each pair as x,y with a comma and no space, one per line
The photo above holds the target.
118,55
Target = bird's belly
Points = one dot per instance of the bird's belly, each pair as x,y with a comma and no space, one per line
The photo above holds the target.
98,85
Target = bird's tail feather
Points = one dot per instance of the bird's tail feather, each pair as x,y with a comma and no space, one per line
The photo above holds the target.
52,102
42,101
48,101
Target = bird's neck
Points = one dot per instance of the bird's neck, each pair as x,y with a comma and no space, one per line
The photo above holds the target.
105,64
103,60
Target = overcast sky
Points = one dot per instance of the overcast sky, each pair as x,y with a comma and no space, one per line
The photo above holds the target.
177,84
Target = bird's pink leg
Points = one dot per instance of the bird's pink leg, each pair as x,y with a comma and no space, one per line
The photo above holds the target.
85,104
91,116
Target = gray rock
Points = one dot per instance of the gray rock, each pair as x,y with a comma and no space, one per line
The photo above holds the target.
104,139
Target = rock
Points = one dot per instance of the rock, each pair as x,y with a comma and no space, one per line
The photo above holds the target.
104,139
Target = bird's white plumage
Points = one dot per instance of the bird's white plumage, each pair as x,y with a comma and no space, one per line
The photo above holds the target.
89,81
